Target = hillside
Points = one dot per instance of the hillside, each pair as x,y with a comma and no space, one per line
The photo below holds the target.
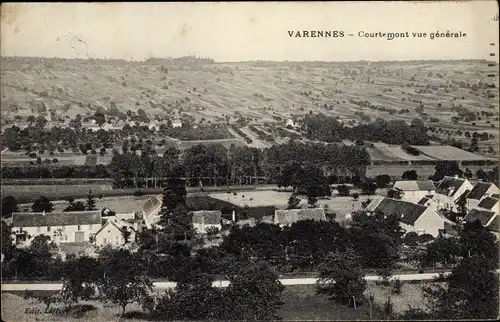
261,91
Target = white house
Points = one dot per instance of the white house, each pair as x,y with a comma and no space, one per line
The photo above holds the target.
115,232
290,122
289,216
414,217
415,190
449,190
480,191
61,227
205,219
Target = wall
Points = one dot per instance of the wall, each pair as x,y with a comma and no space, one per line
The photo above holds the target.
61,234
430,222
109,235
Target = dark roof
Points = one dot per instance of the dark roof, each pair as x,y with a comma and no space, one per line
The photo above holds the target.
464,194
209,217
479,190
488,203
38,219
483,216
495,223
290,216
495,195
408,211
423,201
449,183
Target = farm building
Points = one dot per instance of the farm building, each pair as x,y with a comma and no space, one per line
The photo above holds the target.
414,217
490,204
289,216
61,227
115,232
487,218
151,210
205,219
414,191
449,190
480,191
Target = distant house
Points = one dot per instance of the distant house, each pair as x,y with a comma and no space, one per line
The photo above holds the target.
487,218
480,191
176,124
290,122
449,190
61,227
151,211
414,191
113,232
204,219
289,216
414,217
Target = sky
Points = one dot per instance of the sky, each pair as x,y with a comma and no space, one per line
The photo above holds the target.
248,31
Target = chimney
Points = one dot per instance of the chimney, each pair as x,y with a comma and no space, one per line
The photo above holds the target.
234,216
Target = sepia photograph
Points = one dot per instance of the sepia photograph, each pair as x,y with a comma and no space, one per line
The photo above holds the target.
295,161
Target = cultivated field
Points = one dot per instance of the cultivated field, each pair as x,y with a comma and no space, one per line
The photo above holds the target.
261,92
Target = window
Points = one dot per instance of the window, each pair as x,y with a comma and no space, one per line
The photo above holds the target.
48,228
79,228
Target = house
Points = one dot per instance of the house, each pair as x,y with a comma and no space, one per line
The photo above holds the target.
289,216
205,219
61,227
488,219
490,204
479,191
289,122
115,232
151,211
414,217
107,214
415,190
449,190
176,124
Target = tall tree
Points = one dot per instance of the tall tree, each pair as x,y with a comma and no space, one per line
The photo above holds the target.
90,202
255,293
9,205
42,204
124,279
341,277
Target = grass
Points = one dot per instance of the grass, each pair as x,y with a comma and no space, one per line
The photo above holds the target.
300,303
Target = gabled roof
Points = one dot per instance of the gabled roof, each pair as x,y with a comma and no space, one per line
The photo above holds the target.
374,203
464,194
153,203
484,216
415,185
408,211
449,185
290,216
479,190
39,219
488,203
494,224
119,224
207,217
423,201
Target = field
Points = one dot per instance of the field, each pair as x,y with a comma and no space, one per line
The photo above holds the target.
261,92
300,303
